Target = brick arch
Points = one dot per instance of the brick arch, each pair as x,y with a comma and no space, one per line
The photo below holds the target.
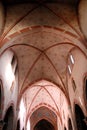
45,106
45,111
56,30
50,82
30,111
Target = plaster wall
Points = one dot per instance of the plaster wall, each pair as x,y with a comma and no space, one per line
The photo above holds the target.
9,81
79,71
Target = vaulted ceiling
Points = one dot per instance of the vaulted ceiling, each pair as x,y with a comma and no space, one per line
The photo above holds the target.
42,37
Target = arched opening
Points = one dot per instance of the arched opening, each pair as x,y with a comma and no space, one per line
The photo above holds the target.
23,129
18,125
8,119
69,125
64,128
44,125
79,116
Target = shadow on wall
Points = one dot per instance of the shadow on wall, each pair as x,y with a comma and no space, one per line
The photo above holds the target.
0,98
8,119
69,125
65,128
18,125
85,90
44,125
80,119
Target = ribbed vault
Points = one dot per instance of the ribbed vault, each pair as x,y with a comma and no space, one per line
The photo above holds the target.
41,40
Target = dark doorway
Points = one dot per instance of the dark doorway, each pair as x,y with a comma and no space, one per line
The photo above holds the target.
64,128
69,125
1,94
44,125
18,125
0,97
81,125
86,88
8,119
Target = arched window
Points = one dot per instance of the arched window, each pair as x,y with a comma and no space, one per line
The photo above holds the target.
14,64
13,60
71,62
72,59
79,116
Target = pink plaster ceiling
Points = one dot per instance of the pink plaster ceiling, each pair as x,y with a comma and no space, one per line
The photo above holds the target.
43,93
22,16
41,54
40,62
43,113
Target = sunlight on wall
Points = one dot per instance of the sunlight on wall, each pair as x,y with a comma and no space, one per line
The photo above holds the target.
22,109
28,125
22,114
6,69
8,73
